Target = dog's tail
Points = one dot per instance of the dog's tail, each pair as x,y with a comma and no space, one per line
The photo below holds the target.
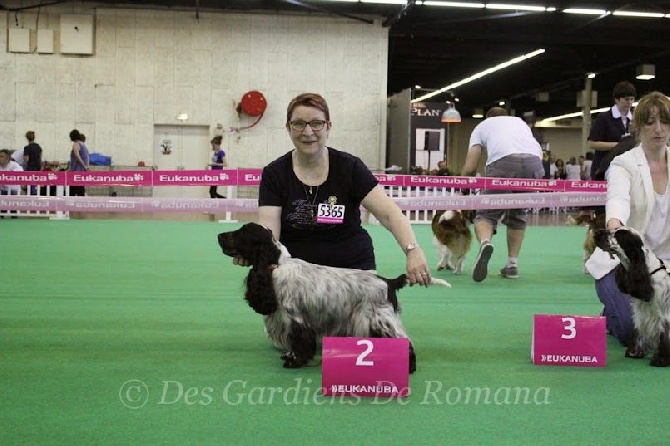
397,283
433,281
393,286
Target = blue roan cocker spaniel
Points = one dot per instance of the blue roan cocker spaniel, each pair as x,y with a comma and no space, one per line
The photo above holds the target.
302,302
642,275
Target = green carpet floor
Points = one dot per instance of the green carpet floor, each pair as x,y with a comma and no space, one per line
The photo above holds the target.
135,332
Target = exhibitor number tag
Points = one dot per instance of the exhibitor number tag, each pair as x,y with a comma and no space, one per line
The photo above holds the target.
330,214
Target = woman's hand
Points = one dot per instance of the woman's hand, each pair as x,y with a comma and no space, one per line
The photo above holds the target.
613,224
417,268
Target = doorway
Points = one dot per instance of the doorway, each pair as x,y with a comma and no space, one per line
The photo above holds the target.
180,147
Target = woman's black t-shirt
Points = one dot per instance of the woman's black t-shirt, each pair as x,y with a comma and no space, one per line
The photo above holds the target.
345,245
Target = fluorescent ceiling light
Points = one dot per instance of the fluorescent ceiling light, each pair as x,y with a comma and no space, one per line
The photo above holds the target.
454,4
586,11
388,2
656,15
481,74
579,114
515,7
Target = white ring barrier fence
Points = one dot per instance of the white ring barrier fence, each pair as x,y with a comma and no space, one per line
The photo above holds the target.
418,196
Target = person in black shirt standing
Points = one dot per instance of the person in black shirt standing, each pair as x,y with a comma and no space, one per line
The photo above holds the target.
32,157
609,127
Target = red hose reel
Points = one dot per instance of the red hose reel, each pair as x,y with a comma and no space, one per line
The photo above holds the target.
253,104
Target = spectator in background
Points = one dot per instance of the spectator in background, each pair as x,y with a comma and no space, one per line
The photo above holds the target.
609,127
32,157
512,152
79,157
586,166
559,172
627,142
17,156
7,164
442,169
218,162
573,171
32,154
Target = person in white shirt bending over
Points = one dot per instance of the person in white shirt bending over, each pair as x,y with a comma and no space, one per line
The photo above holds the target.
513,152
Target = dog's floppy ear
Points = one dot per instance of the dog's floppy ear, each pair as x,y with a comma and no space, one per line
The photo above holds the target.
636,280
260,294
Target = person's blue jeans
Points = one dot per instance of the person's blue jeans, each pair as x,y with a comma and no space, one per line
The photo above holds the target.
618,310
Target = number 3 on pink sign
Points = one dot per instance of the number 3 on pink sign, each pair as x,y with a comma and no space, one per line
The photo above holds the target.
569,328
569,340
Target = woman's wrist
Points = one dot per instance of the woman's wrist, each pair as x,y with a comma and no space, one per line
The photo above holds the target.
413,246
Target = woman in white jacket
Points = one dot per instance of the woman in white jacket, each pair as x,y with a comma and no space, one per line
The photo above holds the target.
638,197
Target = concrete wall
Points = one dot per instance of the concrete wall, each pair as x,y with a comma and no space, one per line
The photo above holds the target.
149,65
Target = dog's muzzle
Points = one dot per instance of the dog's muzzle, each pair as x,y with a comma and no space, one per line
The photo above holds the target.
227,245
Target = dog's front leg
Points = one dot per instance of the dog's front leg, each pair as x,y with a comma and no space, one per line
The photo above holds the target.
662,356
634,348
412,359
303,346
442,254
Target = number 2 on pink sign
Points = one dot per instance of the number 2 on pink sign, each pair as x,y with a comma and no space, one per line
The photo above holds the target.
360,360
569,327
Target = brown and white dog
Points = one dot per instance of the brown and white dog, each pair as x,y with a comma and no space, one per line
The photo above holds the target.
595,222
452,238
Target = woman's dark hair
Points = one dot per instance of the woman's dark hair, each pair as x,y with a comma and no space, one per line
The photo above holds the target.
624,89
75,135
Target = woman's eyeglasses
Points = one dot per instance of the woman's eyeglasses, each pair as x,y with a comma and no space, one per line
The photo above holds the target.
315,124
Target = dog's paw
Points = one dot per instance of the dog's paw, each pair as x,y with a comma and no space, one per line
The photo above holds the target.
659,361
635,352
287,355
295,363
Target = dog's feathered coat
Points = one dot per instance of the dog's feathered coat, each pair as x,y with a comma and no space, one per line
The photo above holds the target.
643,276
452,239
301,301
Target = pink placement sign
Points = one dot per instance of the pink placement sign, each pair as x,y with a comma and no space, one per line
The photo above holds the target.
370,367
569,340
